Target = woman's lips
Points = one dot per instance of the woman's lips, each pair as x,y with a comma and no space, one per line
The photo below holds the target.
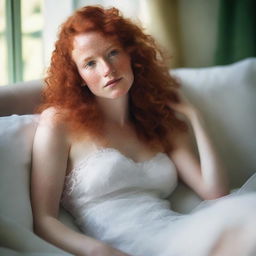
112,82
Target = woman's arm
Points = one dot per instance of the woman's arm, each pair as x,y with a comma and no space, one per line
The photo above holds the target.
50,155
205,175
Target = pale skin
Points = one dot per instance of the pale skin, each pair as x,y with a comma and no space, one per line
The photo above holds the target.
56,153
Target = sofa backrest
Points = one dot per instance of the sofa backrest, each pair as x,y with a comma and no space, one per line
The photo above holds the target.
226,97
20,98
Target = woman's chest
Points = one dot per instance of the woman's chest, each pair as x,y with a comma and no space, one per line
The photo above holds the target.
125,142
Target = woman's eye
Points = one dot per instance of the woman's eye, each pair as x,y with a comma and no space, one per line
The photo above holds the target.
113,53
90,64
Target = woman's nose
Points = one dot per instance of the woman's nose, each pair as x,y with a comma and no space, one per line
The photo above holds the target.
107,68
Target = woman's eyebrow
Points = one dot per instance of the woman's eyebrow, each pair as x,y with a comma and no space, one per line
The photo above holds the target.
86,59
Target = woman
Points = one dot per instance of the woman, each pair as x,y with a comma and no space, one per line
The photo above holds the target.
109,147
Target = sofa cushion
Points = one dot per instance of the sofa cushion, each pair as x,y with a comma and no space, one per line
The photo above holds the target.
16,136
226,97
16,139
16,239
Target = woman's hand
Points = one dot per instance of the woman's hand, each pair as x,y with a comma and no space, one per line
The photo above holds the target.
101,249
182,106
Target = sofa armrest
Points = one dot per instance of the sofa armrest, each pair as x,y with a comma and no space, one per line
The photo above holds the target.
20,98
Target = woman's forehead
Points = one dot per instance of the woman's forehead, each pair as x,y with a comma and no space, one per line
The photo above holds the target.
91,43
94,39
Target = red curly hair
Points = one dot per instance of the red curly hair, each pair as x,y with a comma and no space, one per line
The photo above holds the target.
152,87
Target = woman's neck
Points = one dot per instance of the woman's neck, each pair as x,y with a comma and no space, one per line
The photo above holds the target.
115,111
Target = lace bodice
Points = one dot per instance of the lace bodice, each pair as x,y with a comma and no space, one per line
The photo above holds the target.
107,172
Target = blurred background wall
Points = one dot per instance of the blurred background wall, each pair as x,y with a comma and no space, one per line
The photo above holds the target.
193,33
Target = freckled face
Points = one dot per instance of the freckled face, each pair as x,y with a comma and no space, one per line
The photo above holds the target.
103,64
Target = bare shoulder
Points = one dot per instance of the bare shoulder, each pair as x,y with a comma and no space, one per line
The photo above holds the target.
50,116
51,121
51,137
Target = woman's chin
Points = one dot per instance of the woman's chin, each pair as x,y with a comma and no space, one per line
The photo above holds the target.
118,94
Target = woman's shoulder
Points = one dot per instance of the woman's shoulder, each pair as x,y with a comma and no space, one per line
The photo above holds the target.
56,121
53,117
52,121
49,114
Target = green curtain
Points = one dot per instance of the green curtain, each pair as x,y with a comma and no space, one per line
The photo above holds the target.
237,31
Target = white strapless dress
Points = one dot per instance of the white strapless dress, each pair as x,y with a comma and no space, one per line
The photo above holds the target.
123,203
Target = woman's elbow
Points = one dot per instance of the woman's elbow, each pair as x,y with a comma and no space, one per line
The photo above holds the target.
40,225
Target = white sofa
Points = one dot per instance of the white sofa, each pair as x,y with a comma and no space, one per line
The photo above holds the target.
225,95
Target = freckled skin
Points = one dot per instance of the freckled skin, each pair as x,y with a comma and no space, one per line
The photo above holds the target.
100,59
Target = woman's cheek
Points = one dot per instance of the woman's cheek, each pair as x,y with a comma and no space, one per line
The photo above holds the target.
87,77
92,81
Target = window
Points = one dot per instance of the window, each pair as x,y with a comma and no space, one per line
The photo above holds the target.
21,25
3,45
32,43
